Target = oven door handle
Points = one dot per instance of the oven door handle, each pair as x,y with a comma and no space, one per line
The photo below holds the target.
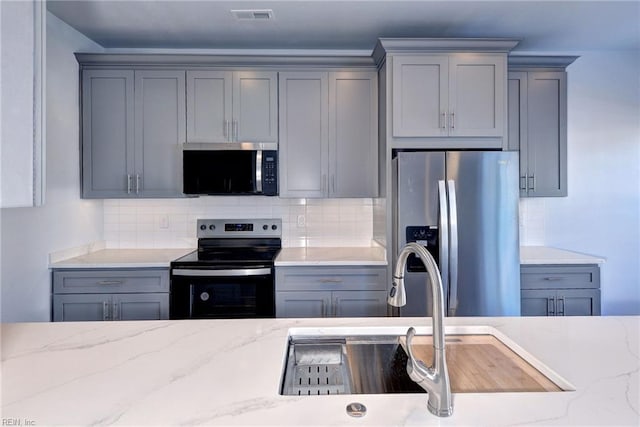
221,273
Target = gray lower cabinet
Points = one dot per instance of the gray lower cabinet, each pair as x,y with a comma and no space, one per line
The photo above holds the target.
110,294
537,123
133,125
328,134
560,290
330,291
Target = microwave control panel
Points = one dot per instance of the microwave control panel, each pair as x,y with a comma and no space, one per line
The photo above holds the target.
270,173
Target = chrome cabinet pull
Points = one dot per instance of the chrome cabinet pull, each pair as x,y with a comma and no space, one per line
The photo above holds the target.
443,120
137,183
561,306
453,120
330,280
333,184
523,182
336,305
111,282
551,306
105,310
324,183
116,314
128,183
225,129
235,131
532,183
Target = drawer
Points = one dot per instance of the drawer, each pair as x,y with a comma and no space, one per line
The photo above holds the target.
559,276
98,281
330,278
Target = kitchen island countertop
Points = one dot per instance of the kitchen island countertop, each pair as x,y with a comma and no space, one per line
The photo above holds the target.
227,372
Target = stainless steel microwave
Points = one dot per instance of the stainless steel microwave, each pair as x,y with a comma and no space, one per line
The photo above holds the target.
230,172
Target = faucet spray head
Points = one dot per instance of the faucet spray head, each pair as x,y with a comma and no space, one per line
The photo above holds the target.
397,296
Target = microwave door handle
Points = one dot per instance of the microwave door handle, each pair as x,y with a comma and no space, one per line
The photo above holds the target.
259,171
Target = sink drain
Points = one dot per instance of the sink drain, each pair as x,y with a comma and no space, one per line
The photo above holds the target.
356,409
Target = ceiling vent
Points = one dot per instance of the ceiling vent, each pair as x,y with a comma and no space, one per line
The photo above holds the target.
253,14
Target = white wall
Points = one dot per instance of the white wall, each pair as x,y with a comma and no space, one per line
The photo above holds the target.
30,234
601,215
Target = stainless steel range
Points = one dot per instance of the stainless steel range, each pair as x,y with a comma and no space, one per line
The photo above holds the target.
231,274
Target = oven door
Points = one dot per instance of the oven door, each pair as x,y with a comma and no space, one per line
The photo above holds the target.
222,294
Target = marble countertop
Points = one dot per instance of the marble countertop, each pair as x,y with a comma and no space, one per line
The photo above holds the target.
336,256
227,372
123,258
548,255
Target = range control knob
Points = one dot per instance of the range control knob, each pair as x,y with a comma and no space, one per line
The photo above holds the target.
212,227
203,227
274,227
265,227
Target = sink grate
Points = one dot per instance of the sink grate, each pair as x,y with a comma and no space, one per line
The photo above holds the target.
318,379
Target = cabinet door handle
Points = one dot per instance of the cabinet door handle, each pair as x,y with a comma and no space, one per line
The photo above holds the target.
235,130
128,183
333,184
561,306
137,183
336,305
116,314
111,282
532,183
523,182
105,310
551,306
324,183
330,280
443,120
453,120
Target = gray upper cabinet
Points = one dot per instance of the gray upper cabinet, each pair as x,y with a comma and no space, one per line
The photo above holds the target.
225,106
328,134
449,95
304,134
107,132
160,132
133,125
209,106
537,116
353,134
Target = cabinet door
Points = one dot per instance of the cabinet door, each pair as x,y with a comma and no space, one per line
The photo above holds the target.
303,304
353,134
517,122
303,152
538,302
107,133
547,134
255,106
578,302
209,106
81,307
359,303
420,96
160,132
477,97
140,306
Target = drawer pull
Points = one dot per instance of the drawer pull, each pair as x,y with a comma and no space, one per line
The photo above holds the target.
330,280
553,279
111,282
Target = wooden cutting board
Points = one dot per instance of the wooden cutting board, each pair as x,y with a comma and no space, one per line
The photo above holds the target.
483,364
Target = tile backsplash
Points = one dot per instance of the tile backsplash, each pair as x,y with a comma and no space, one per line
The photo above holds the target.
171,223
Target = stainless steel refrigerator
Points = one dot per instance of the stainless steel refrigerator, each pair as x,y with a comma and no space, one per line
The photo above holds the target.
463,206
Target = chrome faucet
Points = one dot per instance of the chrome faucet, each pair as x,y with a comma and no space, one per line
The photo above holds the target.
434,379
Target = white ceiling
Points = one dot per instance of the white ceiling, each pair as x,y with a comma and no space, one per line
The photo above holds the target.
558,26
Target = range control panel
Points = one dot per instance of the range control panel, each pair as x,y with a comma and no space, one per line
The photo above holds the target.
239,228
426,236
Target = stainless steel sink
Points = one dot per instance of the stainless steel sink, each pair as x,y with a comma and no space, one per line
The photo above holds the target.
346,365
374,361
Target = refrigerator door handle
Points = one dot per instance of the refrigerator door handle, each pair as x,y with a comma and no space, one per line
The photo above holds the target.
444,235
453,252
